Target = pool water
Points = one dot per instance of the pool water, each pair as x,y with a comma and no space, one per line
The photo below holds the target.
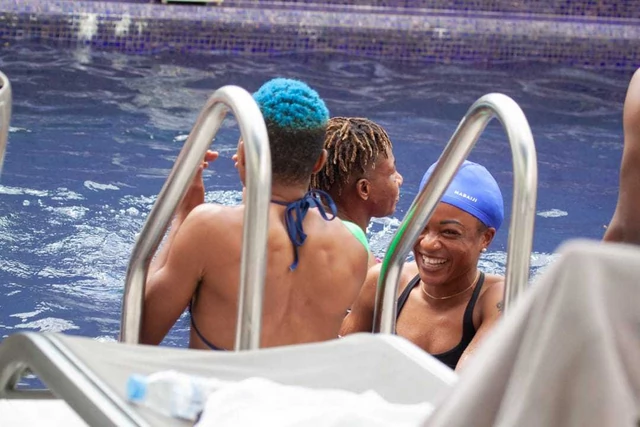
94,135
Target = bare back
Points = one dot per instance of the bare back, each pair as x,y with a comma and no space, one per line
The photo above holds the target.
304,305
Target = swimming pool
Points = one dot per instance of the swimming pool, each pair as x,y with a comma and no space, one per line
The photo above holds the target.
94,135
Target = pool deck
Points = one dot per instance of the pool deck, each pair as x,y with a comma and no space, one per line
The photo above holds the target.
388,32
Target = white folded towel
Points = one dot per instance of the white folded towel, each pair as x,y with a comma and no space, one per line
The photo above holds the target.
261,402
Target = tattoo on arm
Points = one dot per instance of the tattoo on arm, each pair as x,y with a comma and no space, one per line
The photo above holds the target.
500,306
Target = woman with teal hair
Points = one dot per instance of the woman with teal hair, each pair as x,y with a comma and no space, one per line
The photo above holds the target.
315,267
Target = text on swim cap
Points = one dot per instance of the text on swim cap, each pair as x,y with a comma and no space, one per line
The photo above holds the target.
465,195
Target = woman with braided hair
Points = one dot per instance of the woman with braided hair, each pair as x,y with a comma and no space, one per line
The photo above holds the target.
360,173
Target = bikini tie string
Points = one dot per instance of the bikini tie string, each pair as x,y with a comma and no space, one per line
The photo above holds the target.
296,211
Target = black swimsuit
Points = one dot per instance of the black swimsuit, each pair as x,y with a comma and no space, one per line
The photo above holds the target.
451,357
294,214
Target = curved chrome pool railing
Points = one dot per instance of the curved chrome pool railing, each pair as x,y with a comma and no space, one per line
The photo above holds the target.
5,115
258,193
525,180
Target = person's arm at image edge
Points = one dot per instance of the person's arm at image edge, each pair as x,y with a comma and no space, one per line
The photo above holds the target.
624,226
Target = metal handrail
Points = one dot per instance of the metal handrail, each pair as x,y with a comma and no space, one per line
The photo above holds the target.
254,240
5,115
525,179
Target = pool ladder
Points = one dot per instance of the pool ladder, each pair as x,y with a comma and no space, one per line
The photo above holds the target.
65,372
254,240
258,193
5,115
525,179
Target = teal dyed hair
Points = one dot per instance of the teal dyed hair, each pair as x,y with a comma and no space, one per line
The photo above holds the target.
291,104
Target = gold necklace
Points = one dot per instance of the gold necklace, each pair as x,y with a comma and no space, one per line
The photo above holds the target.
475,282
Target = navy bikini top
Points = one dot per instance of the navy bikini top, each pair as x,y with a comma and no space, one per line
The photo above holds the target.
294,216
197,331
296,211
450,357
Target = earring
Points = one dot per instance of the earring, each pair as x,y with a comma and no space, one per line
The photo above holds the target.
484,249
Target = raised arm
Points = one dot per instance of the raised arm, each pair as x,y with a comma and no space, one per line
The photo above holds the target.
193,198
174,274
170,288
625,226
491,304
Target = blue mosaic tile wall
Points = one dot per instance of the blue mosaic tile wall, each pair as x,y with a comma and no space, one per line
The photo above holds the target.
376,29
604,8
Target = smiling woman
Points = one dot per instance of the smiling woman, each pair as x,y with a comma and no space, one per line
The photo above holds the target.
447,305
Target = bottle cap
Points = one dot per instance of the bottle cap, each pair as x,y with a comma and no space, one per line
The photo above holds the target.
136,387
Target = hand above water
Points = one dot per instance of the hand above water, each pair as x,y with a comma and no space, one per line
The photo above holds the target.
195,193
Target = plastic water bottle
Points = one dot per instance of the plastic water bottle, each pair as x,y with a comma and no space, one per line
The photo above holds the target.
170,393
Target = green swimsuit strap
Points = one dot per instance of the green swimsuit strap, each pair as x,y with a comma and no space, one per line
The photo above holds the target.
358,233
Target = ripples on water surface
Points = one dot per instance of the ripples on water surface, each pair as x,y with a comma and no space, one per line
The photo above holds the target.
95,134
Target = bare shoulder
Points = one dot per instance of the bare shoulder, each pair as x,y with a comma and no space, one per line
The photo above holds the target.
211,210
635,80
492,294
213,216
632,100
341,236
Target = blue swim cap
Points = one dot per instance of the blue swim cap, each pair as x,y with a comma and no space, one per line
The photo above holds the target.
291,104
475,191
